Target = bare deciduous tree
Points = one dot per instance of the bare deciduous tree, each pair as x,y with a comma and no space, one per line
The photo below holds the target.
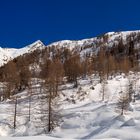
123,102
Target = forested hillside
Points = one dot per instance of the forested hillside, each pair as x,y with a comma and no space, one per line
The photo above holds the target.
39,85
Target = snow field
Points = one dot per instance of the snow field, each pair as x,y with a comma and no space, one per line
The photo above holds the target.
84,114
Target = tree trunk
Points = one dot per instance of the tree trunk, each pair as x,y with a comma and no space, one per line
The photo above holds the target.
15,113
29,107
122,111
49,111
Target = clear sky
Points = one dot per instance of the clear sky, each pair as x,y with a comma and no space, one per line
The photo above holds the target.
25,21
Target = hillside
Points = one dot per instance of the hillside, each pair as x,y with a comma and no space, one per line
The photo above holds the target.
86,89
90,46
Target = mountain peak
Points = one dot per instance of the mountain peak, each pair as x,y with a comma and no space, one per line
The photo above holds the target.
36,43
11,53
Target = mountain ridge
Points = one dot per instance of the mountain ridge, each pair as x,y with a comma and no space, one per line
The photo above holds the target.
89,45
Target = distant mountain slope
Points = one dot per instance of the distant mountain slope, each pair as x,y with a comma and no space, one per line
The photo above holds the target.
7,54
88,47
109,40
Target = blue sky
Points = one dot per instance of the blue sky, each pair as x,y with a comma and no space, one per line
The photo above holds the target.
25,21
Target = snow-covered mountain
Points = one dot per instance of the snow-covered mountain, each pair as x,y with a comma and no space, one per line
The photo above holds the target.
109,40
7,54
85,46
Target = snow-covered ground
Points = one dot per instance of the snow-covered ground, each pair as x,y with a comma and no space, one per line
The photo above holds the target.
44,138
84,114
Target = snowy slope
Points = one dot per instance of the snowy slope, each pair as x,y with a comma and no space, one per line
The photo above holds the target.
44,138
7,54
85,46
86,118
112,36
84,115
92,45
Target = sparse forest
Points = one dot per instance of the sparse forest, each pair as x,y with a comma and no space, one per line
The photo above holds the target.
50,69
